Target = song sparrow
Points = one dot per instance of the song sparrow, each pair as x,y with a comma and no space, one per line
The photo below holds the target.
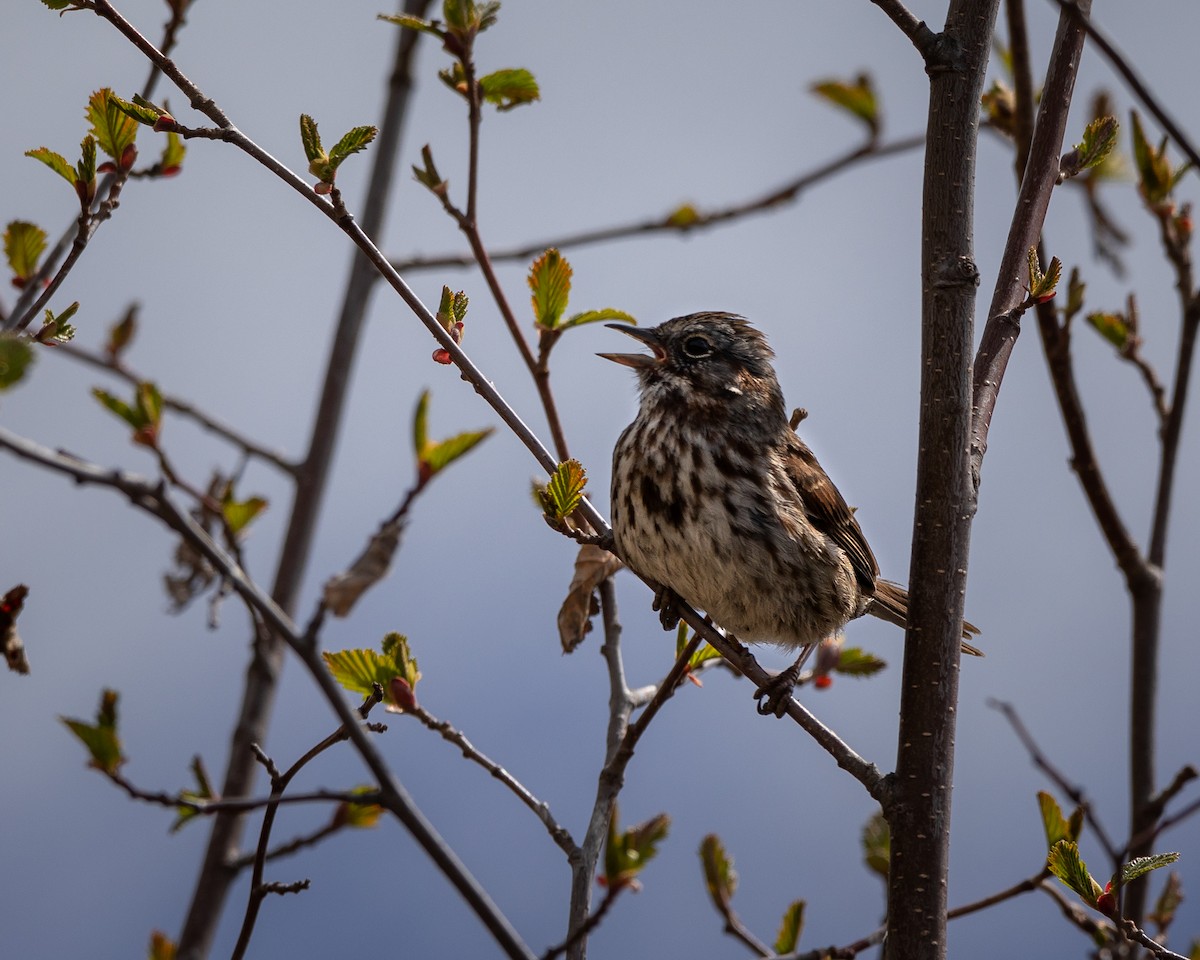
715,498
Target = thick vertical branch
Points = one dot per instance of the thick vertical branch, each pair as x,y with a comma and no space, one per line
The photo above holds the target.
258,698
919,807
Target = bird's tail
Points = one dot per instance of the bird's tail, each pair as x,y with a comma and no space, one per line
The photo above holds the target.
890,603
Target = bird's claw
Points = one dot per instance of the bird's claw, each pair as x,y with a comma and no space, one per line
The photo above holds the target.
666,602
774,695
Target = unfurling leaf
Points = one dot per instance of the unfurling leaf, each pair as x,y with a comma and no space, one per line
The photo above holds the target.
1168,902
1043,286
140,110
1056,826
121,334
1141,866
683,217
202,792
594,316
856,662
434,456
428,175
342,590
857,97
100,737
354,141
412,23
114,129
550,281
55,161
561,495
627,853
15,357
239,513
144,414
1112,326
162,947
877,845
24,244
322,165
466,18
1156,177
702,654
172,156
592,567
999,104
359,670
719,876
1065,863
11,645
509,88
1075,291
790,928
56,329
1099,138
358,816
310,138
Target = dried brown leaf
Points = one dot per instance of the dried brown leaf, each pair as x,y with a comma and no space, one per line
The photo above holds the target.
342,590
592,567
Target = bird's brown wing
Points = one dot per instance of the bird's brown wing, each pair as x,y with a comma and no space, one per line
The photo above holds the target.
828,512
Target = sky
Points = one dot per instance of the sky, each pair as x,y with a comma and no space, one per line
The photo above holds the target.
644,107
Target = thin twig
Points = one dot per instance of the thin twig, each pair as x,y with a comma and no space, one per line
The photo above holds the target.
924,39
1081,14
773,198
1073,792
182,407
559,834
152,498
580,934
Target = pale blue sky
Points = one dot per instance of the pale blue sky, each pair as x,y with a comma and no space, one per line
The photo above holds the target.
644,106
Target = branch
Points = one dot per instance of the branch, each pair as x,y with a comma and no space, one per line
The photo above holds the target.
1041,175
1072,791
151,498
183,407
559,834
774,198
1080,13
928,43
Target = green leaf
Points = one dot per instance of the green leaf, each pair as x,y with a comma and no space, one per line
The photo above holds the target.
358,816
1111,326
24,244
856,97
434,456
719,876
1075,292
117,406
139,109
1043,286
114,129
311,139
200,794
1099,138
15,357
593,316
509,88
144,415
412,23
465,18
85,170
561,495
60,4
428,174
683,216
1065,863
703,653
121,334
1055,825
354,141
1156,177
440,455
358,670
1168,902
452,309
172,155
55,161
239,513
550,281
856,662
162,947
626,854
56,329
790,928
100,737
877,845
1141,866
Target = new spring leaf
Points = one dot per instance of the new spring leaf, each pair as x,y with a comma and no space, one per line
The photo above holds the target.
100,737
561,495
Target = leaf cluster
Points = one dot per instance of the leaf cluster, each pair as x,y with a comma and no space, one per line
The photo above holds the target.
720,879
143,414
433,456
324,164
627,852
1156,175
358,670
100,738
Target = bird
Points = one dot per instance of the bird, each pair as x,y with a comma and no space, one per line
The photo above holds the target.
717,500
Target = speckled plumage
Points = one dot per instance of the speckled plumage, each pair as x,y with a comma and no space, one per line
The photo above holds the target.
715,497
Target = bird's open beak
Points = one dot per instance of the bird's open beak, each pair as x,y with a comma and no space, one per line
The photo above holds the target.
648,336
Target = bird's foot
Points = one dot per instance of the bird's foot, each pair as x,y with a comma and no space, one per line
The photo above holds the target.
773,696
666,602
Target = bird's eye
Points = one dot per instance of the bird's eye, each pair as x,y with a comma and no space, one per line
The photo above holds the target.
696,347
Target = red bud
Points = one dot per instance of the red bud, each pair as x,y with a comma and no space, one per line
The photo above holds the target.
441,355
401,693
823,682
164,124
